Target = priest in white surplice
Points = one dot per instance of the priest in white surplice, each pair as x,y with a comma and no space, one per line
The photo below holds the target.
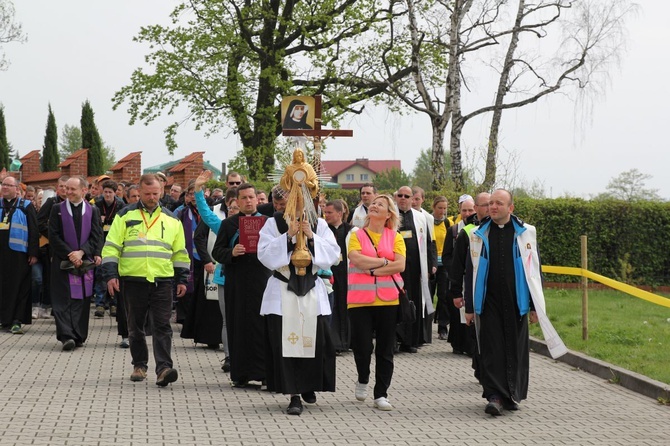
300,357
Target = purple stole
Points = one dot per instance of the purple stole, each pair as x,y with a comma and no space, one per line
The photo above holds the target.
84,284
188,235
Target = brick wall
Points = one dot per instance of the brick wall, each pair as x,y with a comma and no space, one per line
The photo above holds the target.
131,170
31,164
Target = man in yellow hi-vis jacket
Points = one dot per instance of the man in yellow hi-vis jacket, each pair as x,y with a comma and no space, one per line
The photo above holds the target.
144,253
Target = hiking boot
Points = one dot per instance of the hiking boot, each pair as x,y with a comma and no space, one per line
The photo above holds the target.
112,310
16,329
139,374
99,311
167,376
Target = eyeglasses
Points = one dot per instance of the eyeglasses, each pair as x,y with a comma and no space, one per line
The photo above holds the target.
234,183
403,196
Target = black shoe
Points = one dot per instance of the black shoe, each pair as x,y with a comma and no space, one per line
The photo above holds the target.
167,376
510,405
442,336
309,397
408,349
69,345
86,265
226,364
295,407
494,407
240,384
78,344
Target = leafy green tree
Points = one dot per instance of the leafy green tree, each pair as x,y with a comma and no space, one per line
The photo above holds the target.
391,179
71,142
90,139
4,145
630,186
50,158
229,63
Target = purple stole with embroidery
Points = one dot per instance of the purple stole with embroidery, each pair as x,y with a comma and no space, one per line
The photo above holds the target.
84,284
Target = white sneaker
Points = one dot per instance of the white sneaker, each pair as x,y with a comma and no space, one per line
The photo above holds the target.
383,404
361,391
36,312
44,313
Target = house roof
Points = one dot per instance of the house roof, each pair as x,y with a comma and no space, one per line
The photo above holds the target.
31,154
375,166
174,166
124,161
43,176
70,159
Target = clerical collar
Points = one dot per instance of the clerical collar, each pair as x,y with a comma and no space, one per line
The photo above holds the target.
73,204
405,212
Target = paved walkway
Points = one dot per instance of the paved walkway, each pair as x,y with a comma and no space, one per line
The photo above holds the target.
84,397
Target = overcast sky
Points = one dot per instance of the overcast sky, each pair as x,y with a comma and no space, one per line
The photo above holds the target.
80,50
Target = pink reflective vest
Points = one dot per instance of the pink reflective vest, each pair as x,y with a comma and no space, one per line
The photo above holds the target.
363,288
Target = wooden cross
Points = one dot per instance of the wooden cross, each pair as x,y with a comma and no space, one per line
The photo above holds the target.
317,135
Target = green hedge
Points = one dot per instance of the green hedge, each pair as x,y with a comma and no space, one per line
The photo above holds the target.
627,241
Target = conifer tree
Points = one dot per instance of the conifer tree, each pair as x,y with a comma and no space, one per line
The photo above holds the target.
90,139
50,158
4,145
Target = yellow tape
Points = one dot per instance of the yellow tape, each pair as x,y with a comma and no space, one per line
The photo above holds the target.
636,292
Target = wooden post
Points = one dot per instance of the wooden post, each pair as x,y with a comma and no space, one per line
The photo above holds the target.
585,290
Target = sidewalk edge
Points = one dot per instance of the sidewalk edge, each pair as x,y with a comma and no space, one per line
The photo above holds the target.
614,374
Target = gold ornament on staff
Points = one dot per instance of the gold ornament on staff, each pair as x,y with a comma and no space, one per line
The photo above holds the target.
302,184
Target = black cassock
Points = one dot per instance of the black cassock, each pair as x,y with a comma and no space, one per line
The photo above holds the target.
340,330
246,278
204,322
71,315
15,272
503,333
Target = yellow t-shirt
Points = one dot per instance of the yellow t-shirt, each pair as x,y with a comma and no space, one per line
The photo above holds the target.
440,236
398,248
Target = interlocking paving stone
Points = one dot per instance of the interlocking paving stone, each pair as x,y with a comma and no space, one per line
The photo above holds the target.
85,397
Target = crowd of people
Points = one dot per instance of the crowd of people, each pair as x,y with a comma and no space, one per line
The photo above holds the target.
151,257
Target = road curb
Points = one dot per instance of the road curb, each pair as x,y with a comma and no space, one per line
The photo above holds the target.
614,374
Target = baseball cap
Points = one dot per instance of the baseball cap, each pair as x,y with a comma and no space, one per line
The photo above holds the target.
102,178
464,197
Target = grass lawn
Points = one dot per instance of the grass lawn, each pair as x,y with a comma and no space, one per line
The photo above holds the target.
623,330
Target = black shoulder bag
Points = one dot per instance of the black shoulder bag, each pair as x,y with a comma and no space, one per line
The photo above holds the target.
406,308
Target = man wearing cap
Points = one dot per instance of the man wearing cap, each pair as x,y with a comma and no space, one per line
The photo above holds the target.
455,250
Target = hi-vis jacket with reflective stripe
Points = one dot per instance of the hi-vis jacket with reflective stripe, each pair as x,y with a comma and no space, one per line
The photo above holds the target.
134,251
363,288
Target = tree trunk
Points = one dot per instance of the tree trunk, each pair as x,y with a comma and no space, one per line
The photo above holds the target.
492,150
439,126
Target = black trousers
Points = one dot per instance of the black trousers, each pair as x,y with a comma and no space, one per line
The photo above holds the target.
155,300
440,284
380,320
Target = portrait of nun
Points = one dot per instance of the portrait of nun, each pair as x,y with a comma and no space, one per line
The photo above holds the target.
296,116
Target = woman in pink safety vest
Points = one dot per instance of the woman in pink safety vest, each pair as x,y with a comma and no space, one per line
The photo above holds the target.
376,258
